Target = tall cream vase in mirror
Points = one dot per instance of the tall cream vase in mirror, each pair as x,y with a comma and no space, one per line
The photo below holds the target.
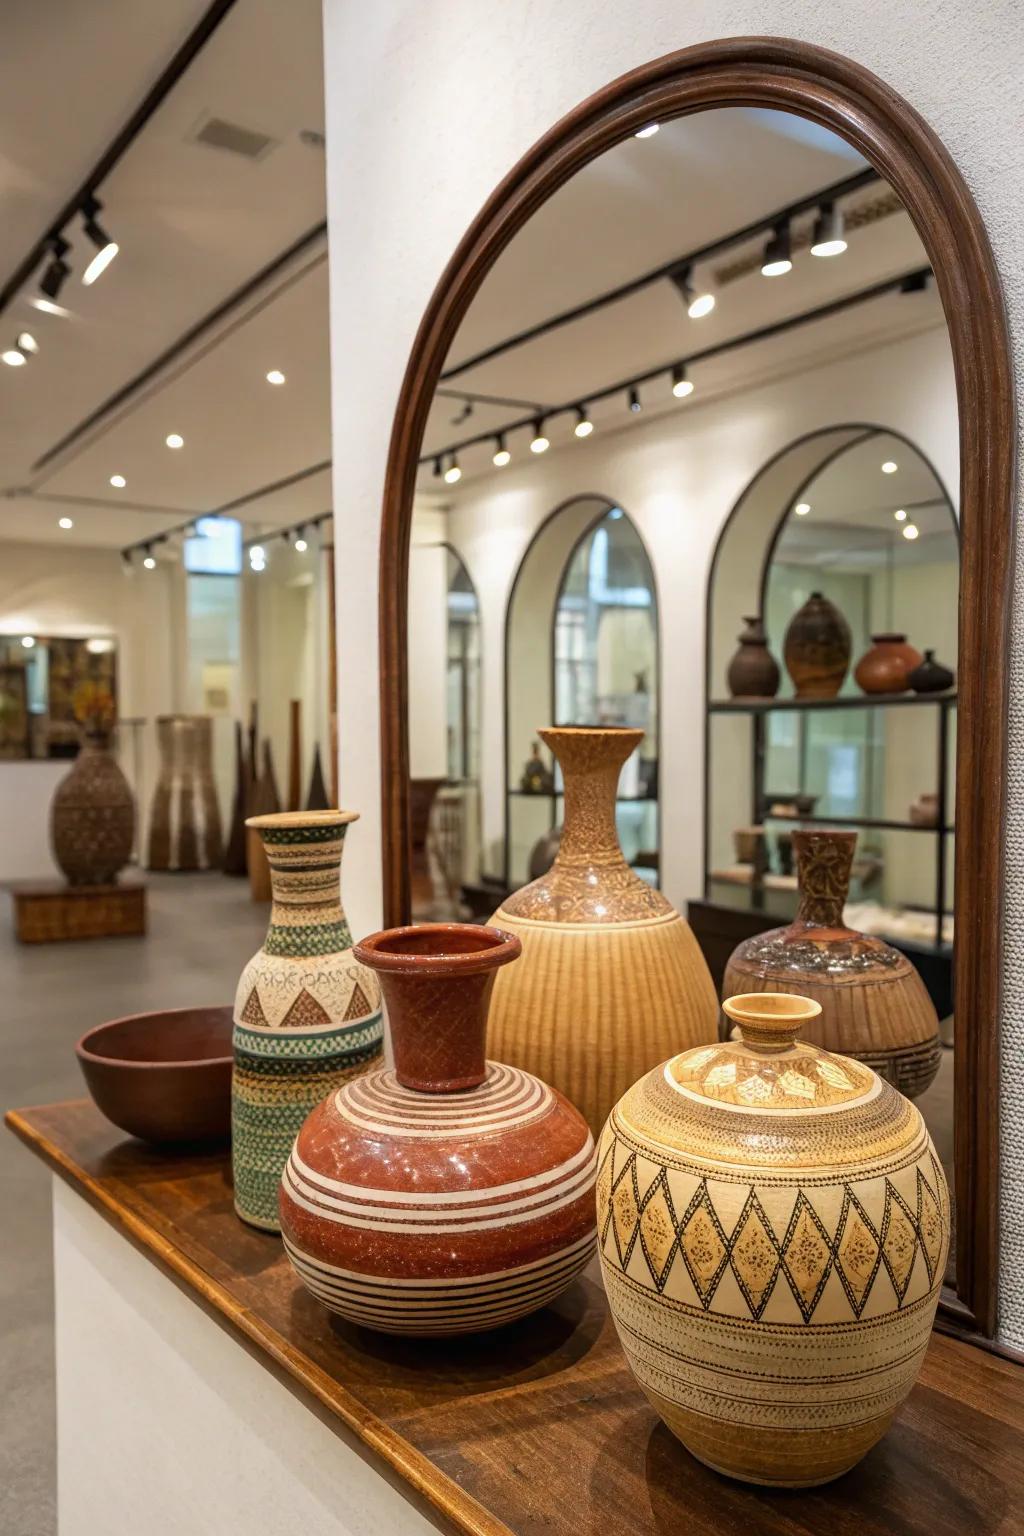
611,978
773,1226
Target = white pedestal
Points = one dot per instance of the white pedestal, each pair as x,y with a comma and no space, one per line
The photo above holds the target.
168,1424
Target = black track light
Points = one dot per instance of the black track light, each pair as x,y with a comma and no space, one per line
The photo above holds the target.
681,385
584,426
699,301
778,253
107,249
453,474
539,443
437,467
917,282
634,400
57,269
828,238
501,453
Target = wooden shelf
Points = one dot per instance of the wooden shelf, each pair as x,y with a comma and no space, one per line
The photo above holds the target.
537,1429
855,701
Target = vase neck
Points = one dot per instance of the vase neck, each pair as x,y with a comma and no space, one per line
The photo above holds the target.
824,861
306,914
591,762
436,980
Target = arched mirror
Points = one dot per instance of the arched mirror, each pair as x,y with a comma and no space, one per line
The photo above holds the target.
731,321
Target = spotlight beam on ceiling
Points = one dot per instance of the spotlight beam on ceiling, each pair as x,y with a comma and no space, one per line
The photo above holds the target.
154,97
669,269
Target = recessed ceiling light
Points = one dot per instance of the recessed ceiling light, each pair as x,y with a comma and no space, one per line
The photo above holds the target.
28,641
64,522
149,563
900,515
802,508
910,531
889,467
118,481
648,132
13,358
275,376
174,440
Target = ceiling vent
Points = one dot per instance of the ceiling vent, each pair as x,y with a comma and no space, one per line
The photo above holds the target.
218,133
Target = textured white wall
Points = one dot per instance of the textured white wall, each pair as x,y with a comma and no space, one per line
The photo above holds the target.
428,107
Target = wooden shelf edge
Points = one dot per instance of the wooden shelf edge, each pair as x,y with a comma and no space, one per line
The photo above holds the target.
415,1469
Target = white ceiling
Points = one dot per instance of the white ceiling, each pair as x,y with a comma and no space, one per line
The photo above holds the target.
195,224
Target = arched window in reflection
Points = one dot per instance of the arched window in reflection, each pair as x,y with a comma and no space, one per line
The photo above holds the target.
581,649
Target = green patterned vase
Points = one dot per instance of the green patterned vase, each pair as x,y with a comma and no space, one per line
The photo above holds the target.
307,1014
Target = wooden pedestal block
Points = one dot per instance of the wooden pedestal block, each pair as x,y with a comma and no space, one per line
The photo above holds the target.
50,912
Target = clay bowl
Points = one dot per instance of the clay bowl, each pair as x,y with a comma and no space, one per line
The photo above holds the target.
164,1077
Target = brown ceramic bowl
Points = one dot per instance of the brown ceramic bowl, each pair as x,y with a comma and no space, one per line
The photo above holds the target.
164,1077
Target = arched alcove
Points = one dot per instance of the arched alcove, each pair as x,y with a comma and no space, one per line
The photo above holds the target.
585,572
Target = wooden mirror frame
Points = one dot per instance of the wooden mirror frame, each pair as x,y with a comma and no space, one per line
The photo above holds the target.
850,101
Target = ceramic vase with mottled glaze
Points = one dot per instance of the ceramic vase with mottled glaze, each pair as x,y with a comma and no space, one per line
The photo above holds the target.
773,1225
612,977
92,816
874,1005
816,648
753,672
307,1013
449,1194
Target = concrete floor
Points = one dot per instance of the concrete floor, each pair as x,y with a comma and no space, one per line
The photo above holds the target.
203,928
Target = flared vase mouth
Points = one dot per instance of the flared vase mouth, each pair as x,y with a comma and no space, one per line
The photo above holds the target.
295,820
569,732
437,949
779,1013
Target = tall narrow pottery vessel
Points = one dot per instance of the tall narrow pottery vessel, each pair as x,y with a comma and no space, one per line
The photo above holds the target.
874,1005
612,978
450,1194
307,1013
773,1225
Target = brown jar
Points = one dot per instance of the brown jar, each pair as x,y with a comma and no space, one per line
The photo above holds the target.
753,671
816,649
887,666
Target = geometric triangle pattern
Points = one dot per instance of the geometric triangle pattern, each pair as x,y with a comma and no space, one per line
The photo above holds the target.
643,1219
305,1013
253,1013
359,1005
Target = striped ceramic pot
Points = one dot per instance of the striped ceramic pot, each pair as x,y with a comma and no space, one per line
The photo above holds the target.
612,978
307,1013
773,1229
451,1194
874,1005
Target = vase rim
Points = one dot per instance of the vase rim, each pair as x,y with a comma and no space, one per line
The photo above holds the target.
285,819
438,949
889,637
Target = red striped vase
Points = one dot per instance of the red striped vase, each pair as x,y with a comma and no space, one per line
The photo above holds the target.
449,1194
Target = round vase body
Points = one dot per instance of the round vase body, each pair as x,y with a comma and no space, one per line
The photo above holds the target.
874,1005
451,1194
92,817
753,671
887,666
184,821
816,649
307,1014
612,977
773,1225
930,676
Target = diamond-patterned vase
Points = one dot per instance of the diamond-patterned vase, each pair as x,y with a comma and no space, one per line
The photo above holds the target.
773,1225
307,1013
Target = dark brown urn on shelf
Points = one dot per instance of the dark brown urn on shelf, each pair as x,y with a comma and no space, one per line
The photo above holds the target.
887,666
874,1005
816,649
930,676
92,816
753,672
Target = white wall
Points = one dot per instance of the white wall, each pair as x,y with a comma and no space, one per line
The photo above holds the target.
81,592
428,652
428,108
678,476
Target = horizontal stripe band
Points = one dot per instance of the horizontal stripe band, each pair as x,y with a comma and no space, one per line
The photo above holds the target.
412,1198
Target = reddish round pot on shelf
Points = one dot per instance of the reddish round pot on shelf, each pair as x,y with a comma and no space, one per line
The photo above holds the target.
887,666
449,1194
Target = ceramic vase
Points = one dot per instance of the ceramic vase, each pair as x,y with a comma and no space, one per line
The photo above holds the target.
773,1226
450,1194
816,649
184,826
92,816
307,1013
612,977
874,1005
930,676
887,666
753,672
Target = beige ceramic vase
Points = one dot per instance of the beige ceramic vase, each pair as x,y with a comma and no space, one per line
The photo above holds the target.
874,1005
611,977
773,1225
